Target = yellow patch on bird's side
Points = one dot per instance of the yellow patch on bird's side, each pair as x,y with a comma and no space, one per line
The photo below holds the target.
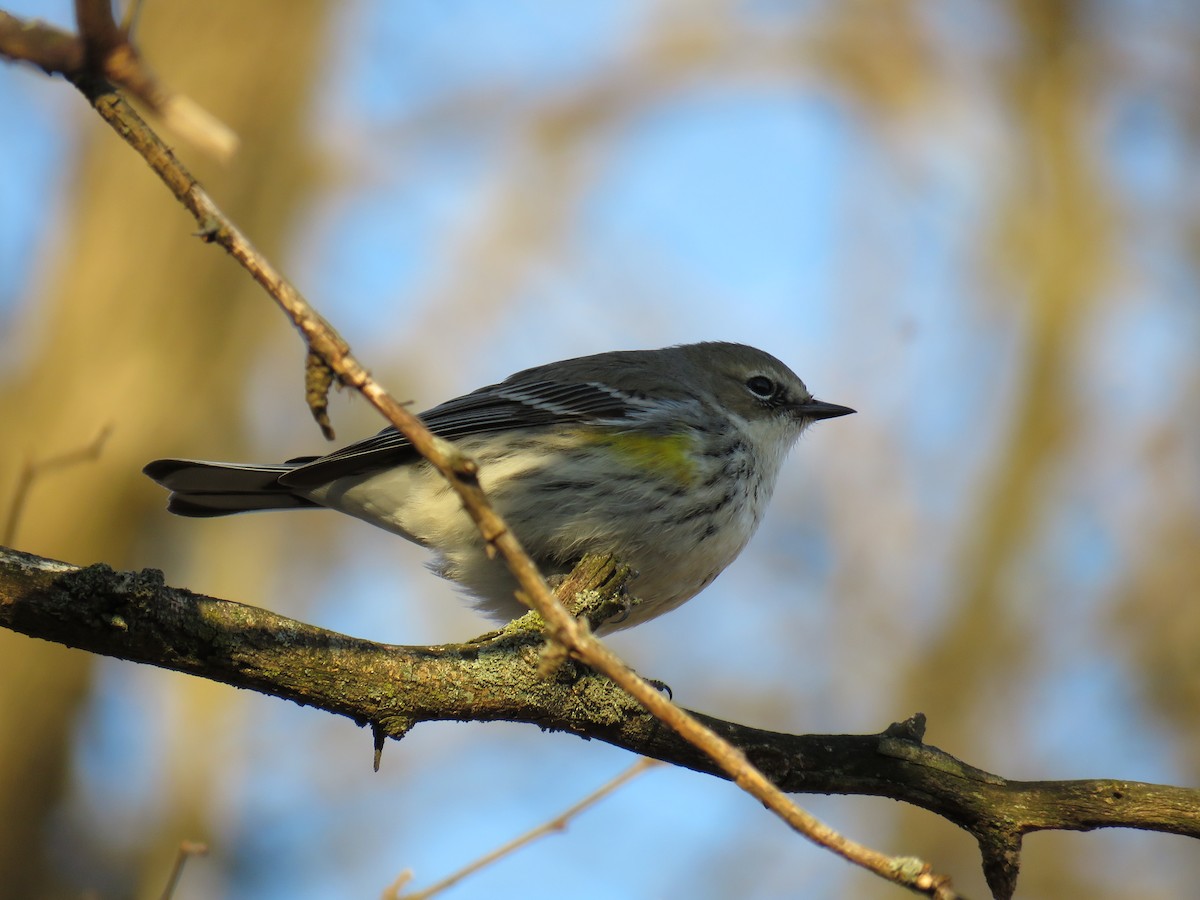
668,454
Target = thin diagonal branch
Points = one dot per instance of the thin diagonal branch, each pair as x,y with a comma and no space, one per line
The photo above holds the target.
558,823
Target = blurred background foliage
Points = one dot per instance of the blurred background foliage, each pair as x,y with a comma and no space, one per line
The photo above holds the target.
974,222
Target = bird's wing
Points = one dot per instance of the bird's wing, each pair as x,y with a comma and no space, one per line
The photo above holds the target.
498,407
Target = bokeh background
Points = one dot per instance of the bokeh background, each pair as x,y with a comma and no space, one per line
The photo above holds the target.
977,223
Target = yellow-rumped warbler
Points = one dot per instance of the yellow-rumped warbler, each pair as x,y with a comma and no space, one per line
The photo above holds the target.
664,458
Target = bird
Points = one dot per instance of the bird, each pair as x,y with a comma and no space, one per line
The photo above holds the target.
665,459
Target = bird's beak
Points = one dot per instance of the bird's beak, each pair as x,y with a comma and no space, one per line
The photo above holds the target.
817,409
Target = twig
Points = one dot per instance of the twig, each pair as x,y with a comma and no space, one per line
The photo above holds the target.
35,468
187,849
102,48
558,823
108,49
50,49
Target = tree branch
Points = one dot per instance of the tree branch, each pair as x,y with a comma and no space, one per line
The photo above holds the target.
503,675
103,49
105,46
329,357
135,616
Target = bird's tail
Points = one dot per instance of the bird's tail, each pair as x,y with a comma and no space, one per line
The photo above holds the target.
219,489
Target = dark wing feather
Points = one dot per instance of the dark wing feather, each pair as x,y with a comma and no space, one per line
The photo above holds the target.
498,407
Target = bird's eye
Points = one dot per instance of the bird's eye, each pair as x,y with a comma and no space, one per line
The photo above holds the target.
761,386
